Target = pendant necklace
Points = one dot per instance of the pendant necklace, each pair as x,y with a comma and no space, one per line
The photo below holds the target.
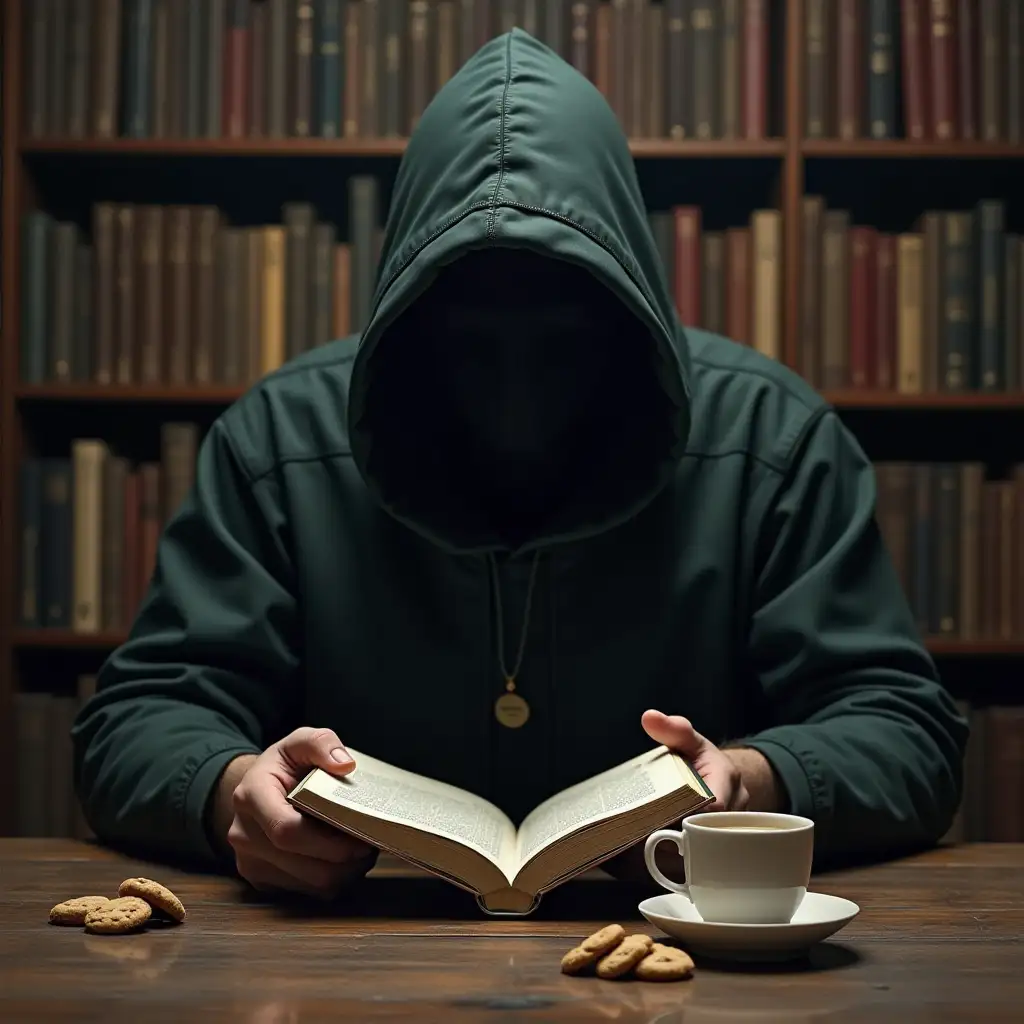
511,709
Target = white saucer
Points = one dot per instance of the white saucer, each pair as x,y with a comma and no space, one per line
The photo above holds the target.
818,916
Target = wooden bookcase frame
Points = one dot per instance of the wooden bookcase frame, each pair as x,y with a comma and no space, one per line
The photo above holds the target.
791,150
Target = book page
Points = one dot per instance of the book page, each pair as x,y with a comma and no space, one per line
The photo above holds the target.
637,782
394,794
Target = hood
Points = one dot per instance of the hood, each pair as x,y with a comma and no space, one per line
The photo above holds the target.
518,150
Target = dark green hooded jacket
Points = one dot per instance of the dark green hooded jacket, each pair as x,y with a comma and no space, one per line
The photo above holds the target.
731,570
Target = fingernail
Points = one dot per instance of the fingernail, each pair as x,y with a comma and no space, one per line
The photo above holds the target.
338,754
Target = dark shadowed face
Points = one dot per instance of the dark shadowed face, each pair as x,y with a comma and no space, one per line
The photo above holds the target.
524,350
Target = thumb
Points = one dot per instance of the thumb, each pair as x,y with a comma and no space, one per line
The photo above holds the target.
316,748
674,732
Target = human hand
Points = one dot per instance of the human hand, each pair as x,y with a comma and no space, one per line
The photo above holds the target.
714,766
277,847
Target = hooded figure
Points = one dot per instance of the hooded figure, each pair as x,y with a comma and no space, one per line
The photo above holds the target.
525,476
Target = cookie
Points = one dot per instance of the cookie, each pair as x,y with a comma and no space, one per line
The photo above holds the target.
125,914
605,940
578,959
664,963
158,896
624,957
72,912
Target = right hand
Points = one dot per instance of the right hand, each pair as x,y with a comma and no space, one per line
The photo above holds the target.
276,846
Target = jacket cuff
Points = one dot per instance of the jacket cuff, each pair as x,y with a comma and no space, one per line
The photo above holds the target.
198,790
791,771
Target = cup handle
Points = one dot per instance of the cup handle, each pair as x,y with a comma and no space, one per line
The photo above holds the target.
679,838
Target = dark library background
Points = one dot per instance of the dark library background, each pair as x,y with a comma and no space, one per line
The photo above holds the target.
193,192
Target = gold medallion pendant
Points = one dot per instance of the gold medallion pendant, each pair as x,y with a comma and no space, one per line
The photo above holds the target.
511,710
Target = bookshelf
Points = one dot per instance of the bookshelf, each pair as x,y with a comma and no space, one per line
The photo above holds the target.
789,156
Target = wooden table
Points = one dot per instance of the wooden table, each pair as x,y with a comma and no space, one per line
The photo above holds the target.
939,938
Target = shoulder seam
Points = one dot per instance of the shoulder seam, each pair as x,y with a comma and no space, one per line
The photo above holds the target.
781,384
339,453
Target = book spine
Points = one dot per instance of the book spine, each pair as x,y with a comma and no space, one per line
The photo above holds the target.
370,39
213,72
942,61
680,101
706,28
816,69
945,556
36,228
79,53
62,332
151,305
30,495
862,306
713,282
299,219
753,69
849,70
990,219
990,31
125,324
1014,72
138,69
302,69
1012,313
955,362
835,301
655,56
739,287
967,50
885,313
882,71
237,44
323,283
328,77
909,286
687,264
204,291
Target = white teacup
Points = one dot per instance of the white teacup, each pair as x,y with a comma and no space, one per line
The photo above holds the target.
742,867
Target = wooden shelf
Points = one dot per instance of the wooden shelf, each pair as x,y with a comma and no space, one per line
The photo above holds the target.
896,149
853,399
102,393
388,147
45,639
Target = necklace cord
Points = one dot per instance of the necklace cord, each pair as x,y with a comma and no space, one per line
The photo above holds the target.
510,677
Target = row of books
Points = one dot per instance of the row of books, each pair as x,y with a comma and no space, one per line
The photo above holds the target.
934,309
951,67
90,525
89,529
992,809
46,802
368,68
178,296
957,543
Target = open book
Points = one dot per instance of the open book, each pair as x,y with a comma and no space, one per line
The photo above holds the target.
470,842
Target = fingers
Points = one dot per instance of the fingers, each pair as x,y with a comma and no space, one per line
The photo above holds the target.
319,748
673,731
724,780
259,799
263,864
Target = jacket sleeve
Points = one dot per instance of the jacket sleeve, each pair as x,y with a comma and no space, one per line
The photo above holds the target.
866,740
207,672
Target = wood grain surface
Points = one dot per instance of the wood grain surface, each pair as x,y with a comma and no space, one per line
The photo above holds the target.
939,938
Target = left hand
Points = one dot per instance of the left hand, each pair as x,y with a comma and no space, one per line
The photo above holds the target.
714,766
